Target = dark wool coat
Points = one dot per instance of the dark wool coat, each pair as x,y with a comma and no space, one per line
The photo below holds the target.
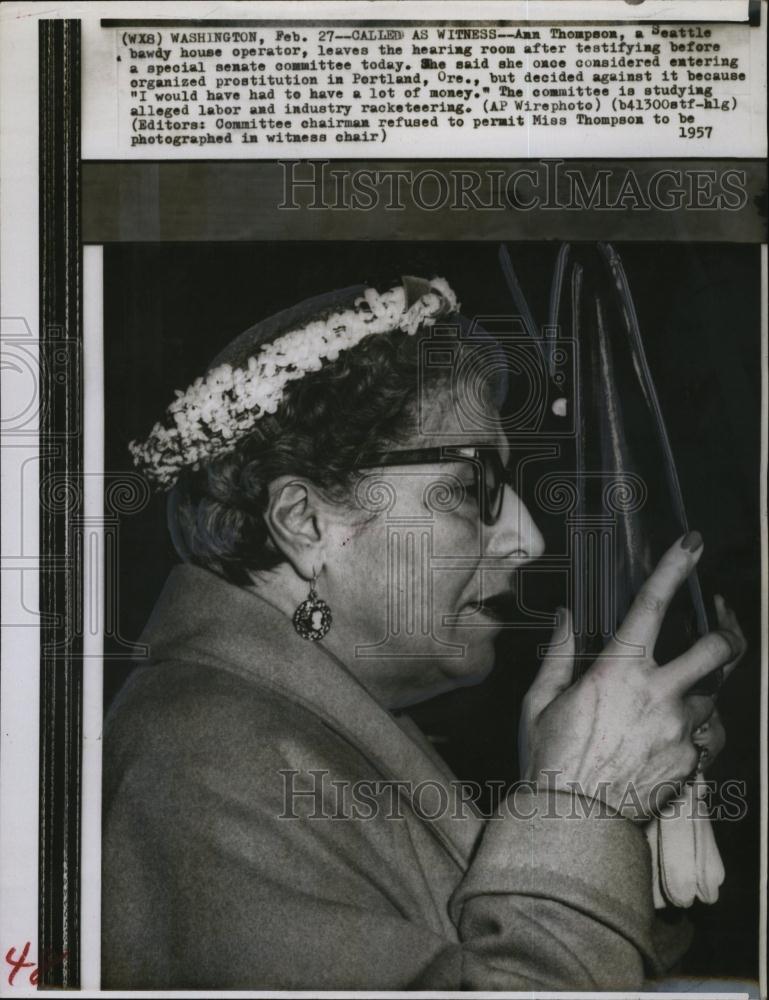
208,883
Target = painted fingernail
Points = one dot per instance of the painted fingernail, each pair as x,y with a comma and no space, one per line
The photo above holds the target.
692,541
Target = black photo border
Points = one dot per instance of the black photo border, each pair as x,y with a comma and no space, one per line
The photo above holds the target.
61,471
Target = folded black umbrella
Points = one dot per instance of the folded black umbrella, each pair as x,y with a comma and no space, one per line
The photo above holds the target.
629,507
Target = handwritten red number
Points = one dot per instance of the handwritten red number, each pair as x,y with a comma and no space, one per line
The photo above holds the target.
21,962
17,964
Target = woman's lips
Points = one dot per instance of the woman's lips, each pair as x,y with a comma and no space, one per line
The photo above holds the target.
499,607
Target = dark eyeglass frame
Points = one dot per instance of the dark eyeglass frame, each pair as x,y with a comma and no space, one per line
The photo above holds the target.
491,474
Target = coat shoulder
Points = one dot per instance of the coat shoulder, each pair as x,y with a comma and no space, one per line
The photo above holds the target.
179,717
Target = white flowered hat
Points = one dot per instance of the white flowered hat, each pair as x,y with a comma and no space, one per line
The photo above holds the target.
248,379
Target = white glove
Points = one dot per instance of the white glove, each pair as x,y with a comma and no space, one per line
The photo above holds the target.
686,864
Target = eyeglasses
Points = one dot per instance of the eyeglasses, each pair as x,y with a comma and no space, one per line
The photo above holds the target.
490,472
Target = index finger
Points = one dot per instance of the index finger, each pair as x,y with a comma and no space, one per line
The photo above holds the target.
644,619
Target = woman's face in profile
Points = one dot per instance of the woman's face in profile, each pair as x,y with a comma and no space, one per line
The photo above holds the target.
408,580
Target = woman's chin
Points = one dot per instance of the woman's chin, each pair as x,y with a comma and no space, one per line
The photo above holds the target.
473,666
448,674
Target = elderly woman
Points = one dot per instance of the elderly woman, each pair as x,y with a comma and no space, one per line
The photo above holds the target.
271,819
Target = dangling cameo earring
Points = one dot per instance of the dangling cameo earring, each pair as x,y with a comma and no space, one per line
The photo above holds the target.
312,619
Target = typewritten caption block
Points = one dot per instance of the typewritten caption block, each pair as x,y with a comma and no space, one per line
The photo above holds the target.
264,91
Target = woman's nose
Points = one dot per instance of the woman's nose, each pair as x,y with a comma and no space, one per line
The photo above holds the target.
515,533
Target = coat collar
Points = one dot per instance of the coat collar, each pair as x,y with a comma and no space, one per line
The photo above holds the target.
201,617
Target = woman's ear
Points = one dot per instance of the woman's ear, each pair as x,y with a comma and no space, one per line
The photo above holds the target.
294,521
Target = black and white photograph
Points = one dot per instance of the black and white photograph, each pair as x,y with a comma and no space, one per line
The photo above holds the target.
352,612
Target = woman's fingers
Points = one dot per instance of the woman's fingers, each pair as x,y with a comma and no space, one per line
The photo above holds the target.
553,677
644,620
699,709
556,671
710,736
716,649
727,620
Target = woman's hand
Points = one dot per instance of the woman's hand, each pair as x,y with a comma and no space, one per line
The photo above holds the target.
626,731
